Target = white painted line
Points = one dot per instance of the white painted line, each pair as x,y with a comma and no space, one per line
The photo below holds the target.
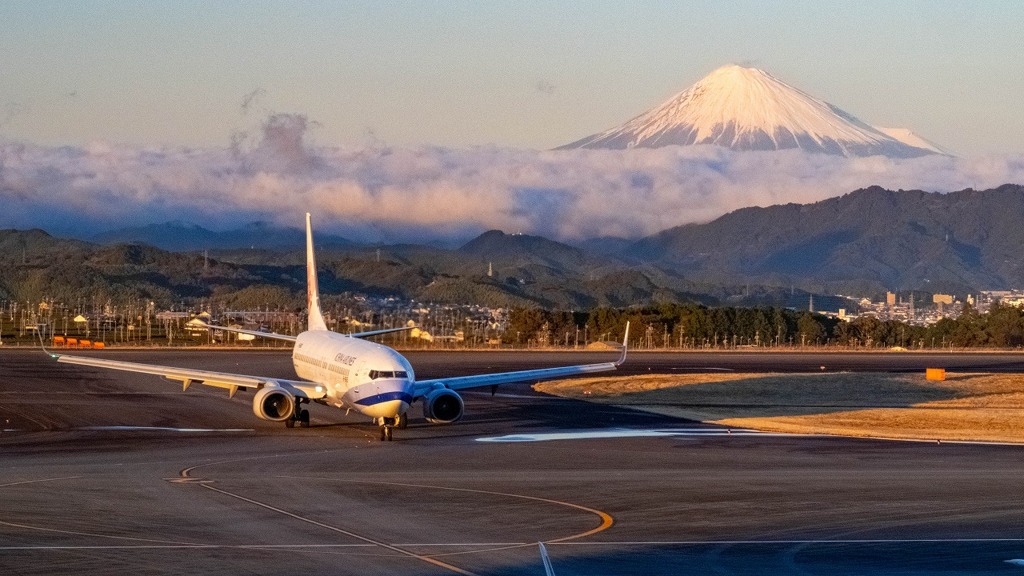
793,542
698,432
1015,562
158,429
628,433
261,546
188,546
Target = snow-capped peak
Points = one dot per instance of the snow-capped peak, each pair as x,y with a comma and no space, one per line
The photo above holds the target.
749,109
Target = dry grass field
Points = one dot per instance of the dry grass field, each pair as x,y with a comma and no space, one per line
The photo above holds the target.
981,407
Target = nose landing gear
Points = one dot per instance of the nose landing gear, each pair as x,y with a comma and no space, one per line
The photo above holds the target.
388,425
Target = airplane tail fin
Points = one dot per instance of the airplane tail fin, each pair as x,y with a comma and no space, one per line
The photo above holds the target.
316,319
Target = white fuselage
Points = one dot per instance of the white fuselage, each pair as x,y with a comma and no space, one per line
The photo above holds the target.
364,376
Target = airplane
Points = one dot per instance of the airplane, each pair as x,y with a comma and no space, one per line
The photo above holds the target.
344,371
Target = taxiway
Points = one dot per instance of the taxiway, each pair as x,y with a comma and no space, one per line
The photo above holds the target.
113,473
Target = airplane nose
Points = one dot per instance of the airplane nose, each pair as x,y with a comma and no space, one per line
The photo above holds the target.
391,408
392,398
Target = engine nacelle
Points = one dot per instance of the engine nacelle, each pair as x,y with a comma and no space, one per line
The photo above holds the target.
443,406
273,403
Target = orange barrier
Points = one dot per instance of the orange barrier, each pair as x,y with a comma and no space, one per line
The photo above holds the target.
935,374
98,345
58,340
71,342
85,343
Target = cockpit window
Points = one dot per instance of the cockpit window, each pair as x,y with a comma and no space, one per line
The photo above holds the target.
375,374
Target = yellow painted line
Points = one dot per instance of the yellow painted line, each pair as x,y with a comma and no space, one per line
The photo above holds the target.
96,535
606,519
384,545
37,481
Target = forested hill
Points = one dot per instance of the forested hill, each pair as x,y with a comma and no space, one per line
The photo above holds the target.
865,241
496,271
862,244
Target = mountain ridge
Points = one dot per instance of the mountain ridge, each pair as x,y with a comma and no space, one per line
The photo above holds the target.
863,243
893,240
181,236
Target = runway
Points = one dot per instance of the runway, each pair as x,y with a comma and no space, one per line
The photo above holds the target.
113,473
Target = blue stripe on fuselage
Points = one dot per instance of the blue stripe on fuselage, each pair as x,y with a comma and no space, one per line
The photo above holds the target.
385,397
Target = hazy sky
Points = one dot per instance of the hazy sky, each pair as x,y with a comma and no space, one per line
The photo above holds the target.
517,74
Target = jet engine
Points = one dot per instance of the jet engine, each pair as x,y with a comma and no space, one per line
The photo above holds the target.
443,406
273,403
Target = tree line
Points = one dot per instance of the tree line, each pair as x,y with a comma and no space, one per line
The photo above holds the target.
698,326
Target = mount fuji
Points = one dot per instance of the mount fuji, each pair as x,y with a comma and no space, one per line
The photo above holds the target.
749,109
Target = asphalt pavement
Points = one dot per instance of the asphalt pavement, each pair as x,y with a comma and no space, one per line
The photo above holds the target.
114,473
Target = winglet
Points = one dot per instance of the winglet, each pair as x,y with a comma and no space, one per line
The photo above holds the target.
548,569
316,319
42,344
625,346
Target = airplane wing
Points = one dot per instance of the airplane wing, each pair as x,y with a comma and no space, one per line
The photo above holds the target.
461,382
187,376
376,332
288,338
272,335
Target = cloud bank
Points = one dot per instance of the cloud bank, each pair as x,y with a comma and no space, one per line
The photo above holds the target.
429,193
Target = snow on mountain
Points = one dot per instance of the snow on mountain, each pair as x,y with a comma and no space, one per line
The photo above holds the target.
910,138
749,109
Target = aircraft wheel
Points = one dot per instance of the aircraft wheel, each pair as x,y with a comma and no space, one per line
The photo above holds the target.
289,423
403,421
389,432
304,419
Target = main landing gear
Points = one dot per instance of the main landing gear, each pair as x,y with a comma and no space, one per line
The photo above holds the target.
388,425
300,415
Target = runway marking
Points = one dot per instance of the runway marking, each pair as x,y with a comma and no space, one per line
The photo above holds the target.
604,543
185,475
159,429
384,545
633,433
606,519
37,481
792,542
256,546
94,535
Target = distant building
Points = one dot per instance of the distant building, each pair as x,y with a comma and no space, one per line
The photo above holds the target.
942,299
890,299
